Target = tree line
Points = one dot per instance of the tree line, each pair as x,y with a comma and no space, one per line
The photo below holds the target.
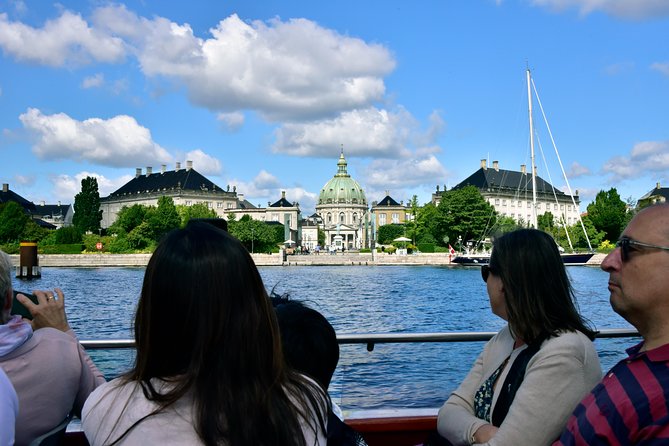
462,219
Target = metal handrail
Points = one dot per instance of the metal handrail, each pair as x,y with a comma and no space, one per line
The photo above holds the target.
384,338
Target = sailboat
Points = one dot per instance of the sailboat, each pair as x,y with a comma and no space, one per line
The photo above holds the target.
572,258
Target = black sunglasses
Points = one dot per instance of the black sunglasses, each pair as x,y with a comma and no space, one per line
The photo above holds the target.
625,243
486,270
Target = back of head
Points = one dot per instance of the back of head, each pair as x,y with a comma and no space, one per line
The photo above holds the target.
201,294
539,297
309,341
204,321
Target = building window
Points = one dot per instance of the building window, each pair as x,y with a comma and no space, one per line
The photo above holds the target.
275,217
396,218
513,204
342,218
555,207
529,205
382,219
496,201
189,203
329,217
355,218
562,207
503,202
229,205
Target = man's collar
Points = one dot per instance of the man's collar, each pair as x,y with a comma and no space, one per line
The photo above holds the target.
659,354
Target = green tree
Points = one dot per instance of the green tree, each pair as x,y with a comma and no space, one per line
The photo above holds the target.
87,212
546,222
505,224
387,233
426,224
164,218
255,235
608,213
128,218
198,210
13,220
412,223
464,213
67,235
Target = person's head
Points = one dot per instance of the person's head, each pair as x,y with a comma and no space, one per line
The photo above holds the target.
309,341
5,286
204,323
202,294
639,270
528,286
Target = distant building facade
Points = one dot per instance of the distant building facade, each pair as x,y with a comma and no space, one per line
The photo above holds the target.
50,216
342,206
510,193
185,186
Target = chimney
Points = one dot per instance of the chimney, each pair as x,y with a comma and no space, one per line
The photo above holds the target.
177,167
240,197
483,165
149,170
189,165
163,168
138,172
495,165
5,187
283,194
42,203
657,185
523,169
59,203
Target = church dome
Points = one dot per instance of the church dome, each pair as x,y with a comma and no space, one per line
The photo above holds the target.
342,188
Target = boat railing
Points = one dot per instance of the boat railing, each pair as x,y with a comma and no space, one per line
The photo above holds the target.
383,338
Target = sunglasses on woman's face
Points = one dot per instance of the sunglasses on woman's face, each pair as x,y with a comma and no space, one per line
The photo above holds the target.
628,245
486,270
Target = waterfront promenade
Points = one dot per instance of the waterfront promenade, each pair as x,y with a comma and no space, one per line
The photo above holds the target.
348,259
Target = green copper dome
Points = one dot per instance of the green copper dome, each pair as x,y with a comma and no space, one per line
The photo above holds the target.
342,188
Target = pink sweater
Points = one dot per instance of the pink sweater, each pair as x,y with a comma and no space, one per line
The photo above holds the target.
52,374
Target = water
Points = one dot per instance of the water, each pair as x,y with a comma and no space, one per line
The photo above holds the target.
100,304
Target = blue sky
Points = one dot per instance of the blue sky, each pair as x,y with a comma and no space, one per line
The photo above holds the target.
262,95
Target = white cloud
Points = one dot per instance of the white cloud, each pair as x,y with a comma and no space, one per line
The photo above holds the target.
618,68
65,187
67,40
203,163
398,174
25,180
624,9
284,70
97,80
231,121
662,67
577,170
367,132
266,188
119,141
645,157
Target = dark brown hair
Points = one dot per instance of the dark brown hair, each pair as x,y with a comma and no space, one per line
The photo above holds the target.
540,301
205,323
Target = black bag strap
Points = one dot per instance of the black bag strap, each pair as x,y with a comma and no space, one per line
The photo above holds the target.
513,381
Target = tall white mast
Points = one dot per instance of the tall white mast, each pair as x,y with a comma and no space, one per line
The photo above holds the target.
533,223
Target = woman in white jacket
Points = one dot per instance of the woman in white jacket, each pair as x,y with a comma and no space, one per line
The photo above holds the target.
530,376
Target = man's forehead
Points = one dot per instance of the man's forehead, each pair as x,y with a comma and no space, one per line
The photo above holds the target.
650,221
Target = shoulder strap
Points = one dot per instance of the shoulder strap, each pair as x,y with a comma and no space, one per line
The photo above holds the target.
513,381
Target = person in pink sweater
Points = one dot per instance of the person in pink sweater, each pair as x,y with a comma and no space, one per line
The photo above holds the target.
50,371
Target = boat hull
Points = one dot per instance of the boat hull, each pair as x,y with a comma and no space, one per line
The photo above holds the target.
573,259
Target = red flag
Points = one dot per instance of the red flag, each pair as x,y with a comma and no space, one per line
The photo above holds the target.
450,249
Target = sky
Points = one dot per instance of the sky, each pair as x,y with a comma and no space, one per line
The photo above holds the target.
263,95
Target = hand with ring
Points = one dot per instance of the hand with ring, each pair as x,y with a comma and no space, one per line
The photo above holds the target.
49,311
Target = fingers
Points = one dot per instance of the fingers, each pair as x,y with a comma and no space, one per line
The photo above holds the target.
26,302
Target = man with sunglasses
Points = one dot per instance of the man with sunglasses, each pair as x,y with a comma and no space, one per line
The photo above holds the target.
631,404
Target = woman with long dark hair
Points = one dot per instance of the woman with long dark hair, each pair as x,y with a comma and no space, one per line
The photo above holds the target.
209,367
530,376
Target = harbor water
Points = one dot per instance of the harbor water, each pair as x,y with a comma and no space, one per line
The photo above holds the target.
100,304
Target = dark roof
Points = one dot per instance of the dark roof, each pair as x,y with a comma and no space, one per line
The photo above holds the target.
507,180
282,203
182,179
388,201
662,191
43,224
245,204
52,210
8,196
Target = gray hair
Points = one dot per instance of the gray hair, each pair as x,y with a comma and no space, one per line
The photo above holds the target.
5,276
